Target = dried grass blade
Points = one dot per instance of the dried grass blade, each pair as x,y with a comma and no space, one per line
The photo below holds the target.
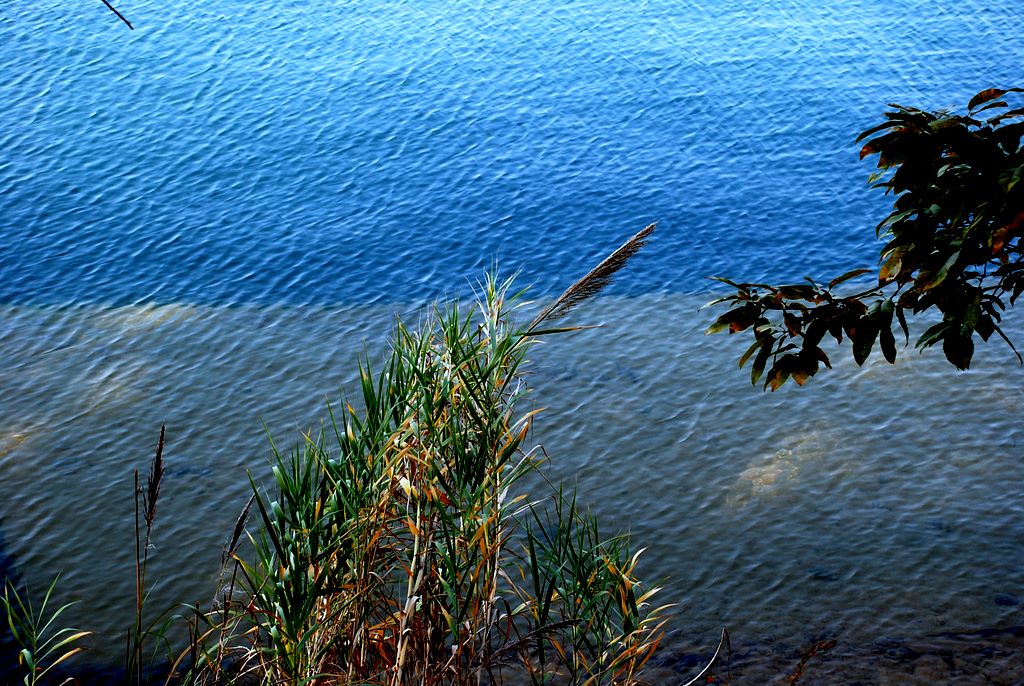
724,642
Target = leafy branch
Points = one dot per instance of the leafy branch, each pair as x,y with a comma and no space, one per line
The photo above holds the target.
953,243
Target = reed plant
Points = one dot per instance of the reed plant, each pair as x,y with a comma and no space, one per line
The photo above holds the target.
395,545
42,643
140,662
584,603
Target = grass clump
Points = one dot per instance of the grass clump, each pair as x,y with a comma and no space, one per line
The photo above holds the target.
395,549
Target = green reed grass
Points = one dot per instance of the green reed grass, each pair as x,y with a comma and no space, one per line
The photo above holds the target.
586,606
395,546
387,552
43,645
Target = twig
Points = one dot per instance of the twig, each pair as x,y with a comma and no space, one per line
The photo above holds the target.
119,15
819,647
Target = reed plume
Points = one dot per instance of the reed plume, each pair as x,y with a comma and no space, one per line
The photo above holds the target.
156,476
594,281
149,496
236,533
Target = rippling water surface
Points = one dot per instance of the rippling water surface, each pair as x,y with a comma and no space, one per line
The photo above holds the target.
204,221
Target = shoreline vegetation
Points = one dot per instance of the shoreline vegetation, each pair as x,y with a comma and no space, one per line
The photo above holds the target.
394,547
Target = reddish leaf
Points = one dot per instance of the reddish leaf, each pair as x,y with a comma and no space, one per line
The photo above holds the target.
984,96
892,266
999,238
869,149
993,105
777,376
847,276
800,375
1006,115
792,324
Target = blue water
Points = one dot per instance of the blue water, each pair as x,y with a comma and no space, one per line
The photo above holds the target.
351,152
205,220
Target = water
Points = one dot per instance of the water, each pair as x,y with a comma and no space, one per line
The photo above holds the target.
205,220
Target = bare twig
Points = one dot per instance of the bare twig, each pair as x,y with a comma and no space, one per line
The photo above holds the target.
819,647
119,15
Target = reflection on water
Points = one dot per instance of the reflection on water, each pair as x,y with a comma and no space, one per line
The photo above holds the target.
878,502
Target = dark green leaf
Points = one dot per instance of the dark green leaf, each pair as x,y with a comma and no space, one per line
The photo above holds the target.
938,277
863,338
1011,178
805,365
1018,288
985,327
894,218
885,338
760,361
902,318
888,344
873,130
716,301
835,329
972,313
815,330
932,335
958,350
736,319
727,282
750,351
